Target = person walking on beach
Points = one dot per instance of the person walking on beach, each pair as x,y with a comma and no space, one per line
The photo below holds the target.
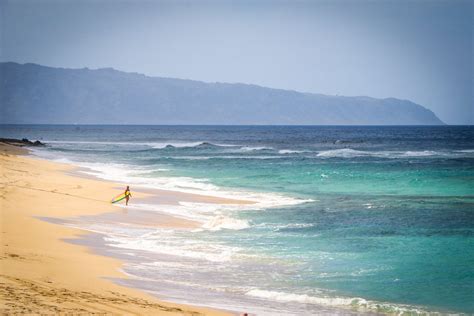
128,195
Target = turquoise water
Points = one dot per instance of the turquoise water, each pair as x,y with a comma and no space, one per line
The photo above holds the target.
359,218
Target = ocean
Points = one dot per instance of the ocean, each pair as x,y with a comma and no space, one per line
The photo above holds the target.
356,220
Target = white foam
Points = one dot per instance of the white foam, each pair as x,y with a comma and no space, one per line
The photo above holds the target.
343,153
351,302
288,151
303,298
221,222
163,242
351,153
424,153
63,160
211,216
134,175
465,151
174,210
255,148
293,226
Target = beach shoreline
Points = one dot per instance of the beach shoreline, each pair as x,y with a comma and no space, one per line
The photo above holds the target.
41,270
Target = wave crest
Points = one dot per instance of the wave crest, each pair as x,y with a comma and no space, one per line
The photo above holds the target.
352,302
343,153
221,222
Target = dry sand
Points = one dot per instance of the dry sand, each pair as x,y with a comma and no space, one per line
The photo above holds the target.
42,274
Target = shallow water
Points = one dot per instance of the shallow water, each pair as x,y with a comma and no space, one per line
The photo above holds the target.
358,218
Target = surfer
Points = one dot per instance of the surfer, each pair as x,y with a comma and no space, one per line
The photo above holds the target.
128,195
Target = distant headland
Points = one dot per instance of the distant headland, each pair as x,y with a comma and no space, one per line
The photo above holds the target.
35,94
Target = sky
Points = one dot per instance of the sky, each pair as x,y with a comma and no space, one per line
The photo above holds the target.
416,50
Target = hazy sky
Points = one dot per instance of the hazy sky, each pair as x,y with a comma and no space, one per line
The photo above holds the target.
416,50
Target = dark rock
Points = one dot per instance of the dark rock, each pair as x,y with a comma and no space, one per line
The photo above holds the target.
20,142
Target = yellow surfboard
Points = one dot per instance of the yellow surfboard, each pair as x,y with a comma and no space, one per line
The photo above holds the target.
120,197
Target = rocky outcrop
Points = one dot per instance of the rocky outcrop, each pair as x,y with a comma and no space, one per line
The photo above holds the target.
21,142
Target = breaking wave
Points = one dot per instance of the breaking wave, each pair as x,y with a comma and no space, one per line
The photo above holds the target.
352,302
352,153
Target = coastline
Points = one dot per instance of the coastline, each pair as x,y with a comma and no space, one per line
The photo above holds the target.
40,271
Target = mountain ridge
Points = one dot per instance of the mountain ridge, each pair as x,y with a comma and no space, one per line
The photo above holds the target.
31,93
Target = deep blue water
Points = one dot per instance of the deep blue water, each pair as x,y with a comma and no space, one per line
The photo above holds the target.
348,216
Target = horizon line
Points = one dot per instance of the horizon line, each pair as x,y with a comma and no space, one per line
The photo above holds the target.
242,125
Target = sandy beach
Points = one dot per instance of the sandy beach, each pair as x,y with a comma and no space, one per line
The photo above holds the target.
40,272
